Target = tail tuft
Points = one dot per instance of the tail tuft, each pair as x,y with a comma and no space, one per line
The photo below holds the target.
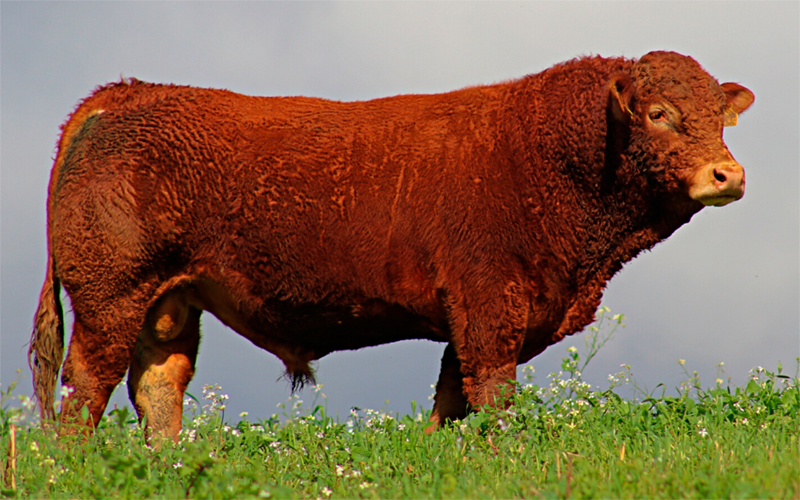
46,350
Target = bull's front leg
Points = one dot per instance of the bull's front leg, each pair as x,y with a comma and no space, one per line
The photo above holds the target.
479,367
449,402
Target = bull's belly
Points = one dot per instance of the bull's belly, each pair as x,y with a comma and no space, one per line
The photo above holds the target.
295,333
301,334
324,328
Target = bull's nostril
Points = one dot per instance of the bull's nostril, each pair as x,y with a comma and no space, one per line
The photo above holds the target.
719,176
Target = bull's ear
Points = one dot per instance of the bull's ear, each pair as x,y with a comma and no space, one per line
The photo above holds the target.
737,99
620,95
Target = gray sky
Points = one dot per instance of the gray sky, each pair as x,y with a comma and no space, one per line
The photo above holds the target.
724,288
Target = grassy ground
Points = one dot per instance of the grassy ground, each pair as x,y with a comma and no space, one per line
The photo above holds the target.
561,440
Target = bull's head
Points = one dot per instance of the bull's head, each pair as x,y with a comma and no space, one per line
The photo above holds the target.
675,112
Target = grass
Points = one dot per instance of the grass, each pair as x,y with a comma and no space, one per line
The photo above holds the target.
564,439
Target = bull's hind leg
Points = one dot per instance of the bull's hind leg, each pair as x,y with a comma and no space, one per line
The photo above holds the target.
99,354
449,401
163,364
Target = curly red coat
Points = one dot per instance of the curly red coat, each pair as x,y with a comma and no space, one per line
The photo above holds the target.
489,218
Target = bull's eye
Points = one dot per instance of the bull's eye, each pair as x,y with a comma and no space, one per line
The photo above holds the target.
659,116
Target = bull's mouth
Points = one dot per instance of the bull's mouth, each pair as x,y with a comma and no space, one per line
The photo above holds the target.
714,197
720,201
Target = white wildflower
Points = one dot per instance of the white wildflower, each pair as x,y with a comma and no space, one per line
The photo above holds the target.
703,432
326,491
27,403
502,424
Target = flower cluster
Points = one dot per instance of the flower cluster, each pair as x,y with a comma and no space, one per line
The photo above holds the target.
197,416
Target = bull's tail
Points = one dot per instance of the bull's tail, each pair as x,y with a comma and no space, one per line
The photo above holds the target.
46,350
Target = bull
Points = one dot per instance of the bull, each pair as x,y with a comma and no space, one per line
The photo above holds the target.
489,219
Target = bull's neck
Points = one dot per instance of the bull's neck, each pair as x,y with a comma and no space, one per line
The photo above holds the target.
585,205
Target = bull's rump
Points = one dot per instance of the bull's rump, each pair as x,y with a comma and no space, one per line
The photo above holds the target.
275,204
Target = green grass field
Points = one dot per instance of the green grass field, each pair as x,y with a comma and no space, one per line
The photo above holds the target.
563,439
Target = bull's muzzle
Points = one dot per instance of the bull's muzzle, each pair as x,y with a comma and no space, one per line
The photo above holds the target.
718,184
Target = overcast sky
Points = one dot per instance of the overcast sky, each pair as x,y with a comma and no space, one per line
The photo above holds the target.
724,288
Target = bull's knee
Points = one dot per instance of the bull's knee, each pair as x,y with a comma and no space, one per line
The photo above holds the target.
492,387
